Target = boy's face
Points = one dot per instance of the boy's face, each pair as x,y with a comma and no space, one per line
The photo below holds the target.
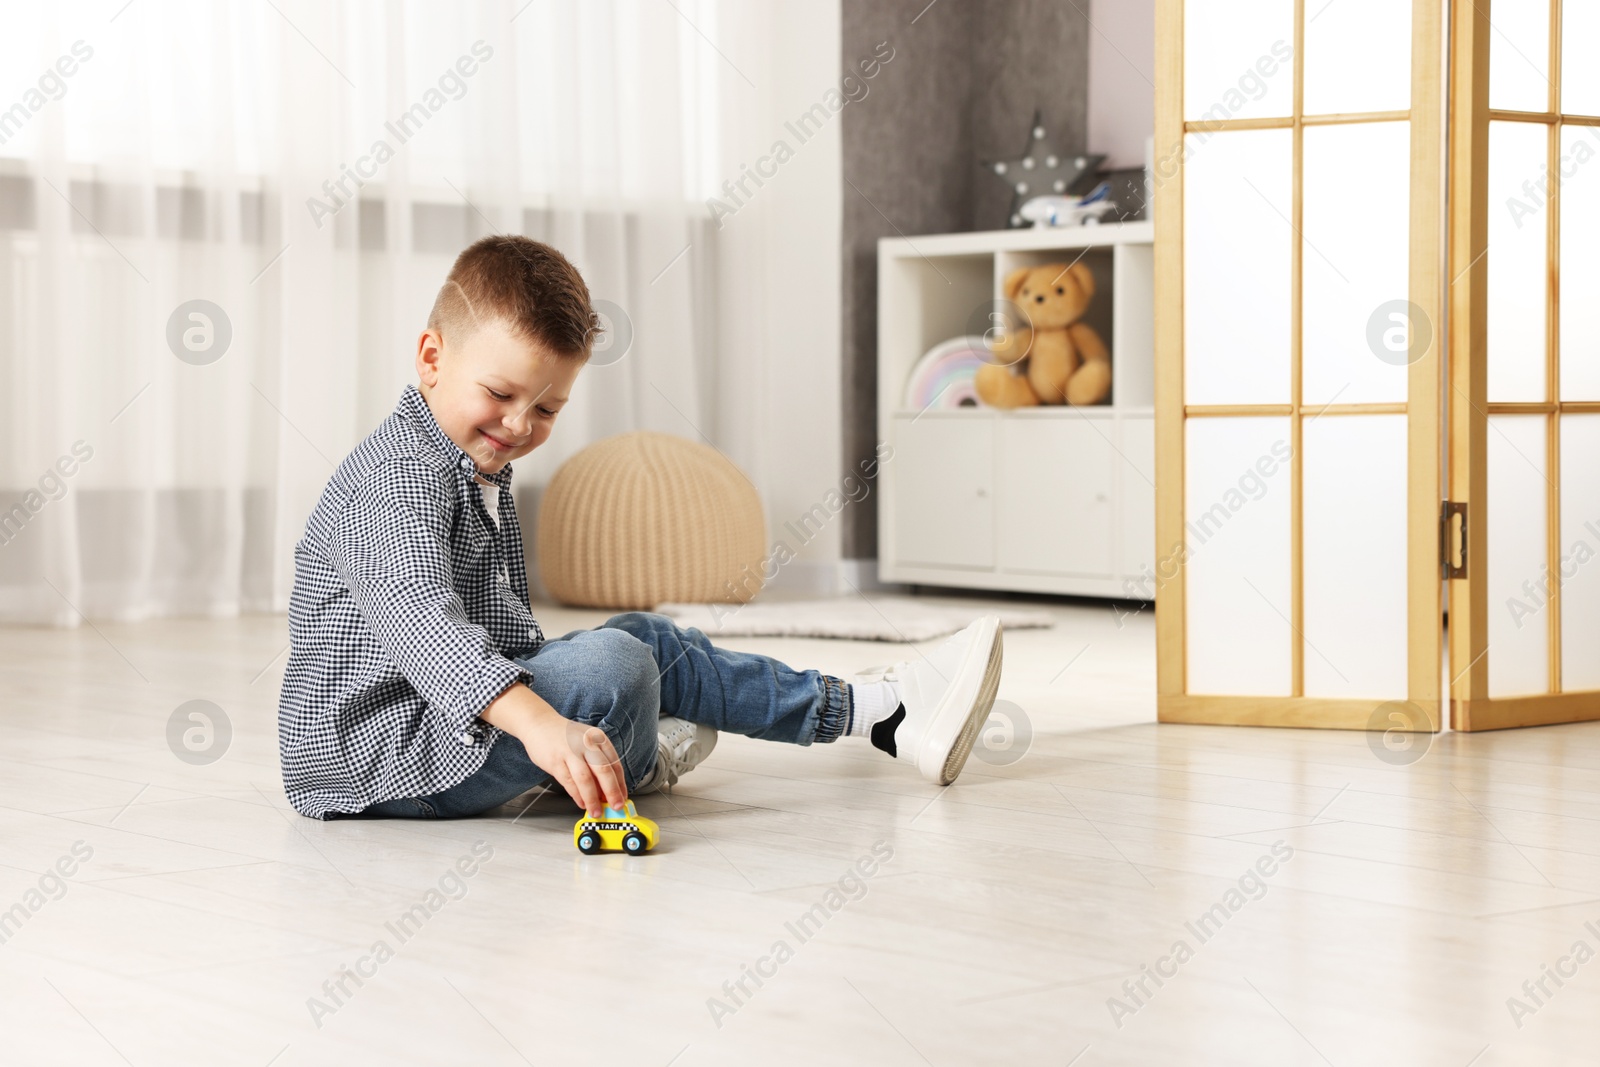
492,393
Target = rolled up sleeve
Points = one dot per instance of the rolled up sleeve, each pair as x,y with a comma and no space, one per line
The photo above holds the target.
391,546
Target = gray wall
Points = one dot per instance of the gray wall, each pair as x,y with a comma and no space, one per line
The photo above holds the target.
962,86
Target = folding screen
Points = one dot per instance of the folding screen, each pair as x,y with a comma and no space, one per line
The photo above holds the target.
1298,208
1524,397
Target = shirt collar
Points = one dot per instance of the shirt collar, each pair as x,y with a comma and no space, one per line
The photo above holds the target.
414,406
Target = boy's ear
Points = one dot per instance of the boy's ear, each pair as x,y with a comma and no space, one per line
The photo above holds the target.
430,347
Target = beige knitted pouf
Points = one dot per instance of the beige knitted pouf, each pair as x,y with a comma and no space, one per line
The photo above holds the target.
642,518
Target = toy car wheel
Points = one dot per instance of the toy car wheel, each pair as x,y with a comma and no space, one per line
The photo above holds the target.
589,842
634,842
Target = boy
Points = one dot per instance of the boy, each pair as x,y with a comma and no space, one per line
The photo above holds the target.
419,683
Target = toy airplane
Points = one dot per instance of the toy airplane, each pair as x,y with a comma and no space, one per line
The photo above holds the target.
1070,210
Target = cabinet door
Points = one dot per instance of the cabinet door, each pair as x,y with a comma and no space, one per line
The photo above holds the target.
1136,497
1055,494
943,499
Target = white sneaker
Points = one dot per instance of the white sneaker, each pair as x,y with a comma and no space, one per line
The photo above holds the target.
947,693
680,748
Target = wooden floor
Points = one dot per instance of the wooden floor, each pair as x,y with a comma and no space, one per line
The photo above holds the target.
1302,900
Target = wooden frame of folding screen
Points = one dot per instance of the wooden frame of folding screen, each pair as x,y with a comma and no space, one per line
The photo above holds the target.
1471,707
1422,407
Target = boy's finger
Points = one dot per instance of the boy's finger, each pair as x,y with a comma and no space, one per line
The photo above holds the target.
597,747
612,779
613,783
564,780
602,758
583,778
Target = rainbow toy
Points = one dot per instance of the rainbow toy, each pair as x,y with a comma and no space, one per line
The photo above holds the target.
942,378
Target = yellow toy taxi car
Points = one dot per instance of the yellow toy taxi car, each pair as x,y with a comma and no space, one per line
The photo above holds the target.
616,829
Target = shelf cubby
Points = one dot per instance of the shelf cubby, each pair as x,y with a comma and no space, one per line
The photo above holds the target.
970,496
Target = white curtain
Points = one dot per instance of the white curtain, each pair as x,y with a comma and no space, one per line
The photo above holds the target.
185,152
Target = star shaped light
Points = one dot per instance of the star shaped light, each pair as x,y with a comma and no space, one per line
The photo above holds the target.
1041,170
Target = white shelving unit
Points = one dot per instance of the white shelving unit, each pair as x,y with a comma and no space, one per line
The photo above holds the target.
1045,499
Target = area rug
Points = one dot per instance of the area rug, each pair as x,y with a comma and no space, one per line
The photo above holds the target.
852,618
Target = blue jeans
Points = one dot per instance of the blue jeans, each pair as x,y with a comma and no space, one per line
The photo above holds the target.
623,676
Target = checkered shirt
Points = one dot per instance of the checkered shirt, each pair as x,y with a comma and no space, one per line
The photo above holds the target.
407,603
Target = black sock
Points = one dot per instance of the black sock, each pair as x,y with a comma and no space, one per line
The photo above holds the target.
883,731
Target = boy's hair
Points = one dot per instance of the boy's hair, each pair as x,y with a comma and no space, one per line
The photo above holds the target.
529,285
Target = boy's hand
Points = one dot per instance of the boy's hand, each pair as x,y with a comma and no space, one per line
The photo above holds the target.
581,758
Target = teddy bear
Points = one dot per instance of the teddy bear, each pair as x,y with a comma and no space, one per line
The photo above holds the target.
1053,358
